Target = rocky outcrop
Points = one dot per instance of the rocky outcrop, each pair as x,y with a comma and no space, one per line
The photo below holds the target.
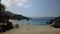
55,22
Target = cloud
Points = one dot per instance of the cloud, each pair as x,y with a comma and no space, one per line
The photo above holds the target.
6,2
18,3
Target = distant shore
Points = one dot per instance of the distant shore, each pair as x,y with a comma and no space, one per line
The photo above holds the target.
26,29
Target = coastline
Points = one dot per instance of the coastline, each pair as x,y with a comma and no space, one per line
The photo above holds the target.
26,29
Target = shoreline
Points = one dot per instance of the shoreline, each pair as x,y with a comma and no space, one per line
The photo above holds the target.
32,29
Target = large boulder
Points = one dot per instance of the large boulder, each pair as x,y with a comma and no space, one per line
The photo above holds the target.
57,25
55,22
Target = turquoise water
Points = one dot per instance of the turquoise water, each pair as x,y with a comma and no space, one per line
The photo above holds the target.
35,21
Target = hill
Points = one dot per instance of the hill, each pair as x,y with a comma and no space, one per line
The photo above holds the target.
16,16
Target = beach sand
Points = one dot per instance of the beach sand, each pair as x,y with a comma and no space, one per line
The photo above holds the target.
26,29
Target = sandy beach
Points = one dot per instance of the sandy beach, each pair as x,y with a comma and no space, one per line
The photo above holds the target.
26,29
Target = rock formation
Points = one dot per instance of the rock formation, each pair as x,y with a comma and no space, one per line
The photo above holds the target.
55,22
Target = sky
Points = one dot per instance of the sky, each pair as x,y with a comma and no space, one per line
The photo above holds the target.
33,8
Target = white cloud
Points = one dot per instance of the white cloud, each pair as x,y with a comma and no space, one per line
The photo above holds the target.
6,2
26,6
19,3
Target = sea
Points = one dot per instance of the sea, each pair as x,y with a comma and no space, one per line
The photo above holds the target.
35,21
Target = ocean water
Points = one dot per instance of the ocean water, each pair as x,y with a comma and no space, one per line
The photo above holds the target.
35,21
